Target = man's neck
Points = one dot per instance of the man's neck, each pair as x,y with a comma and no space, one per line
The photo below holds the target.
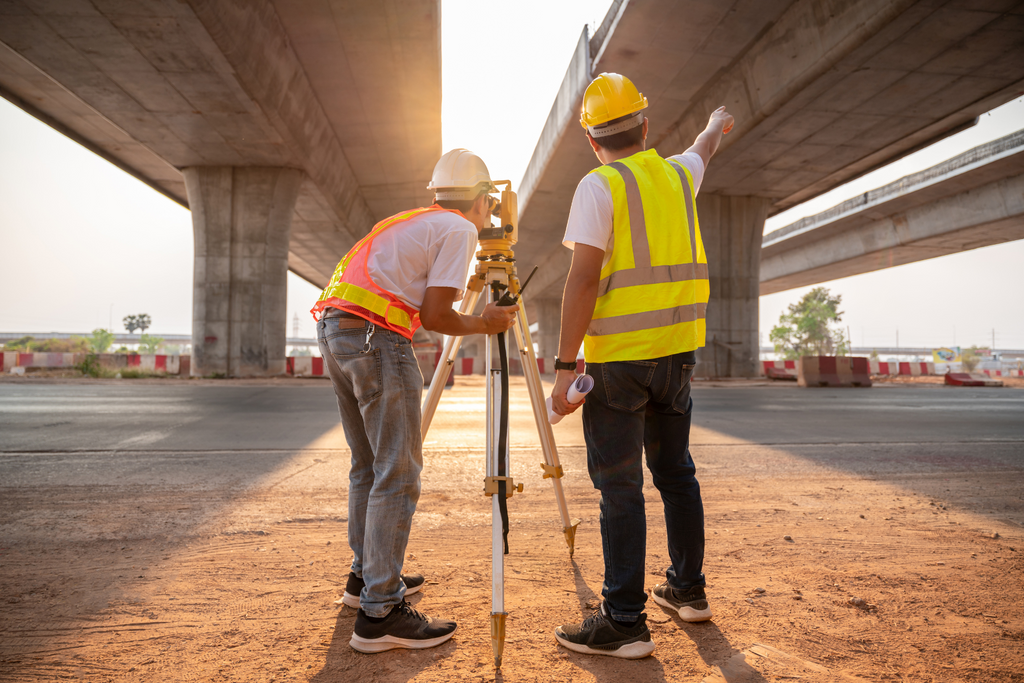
607,156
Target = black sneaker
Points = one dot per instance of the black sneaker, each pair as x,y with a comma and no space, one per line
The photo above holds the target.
403,627
600,635
692,605
413,583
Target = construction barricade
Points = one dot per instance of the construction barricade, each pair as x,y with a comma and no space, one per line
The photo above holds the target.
780,369
833,371
305,366
971,379
917,369
883,368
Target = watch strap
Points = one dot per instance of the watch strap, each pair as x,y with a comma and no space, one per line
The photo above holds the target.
564,365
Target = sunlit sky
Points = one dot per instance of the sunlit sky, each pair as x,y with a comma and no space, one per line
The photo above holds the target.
82,244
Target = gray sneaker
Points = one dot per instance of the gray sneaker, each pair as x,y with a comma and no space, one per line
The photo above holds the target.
354,586
691,604
600,635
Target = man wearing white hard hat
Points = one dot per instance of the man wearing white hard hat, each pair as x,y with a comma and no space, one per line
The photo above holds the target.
406,273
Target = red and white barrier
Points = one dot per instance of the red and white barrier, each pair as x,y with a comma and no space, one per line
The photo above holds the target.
832,371
971,379
780,369
152,362
305,366
917,369
883,368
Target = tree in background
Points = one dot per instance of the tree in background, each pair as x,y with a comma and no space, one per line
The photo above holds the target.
21,344
806,329
148,343
140,322
101,340
969,359
29,344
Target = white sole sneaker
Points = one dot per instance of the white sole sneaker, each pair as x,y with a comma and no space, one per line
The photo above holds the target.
687,614
637,650
353,600
385,643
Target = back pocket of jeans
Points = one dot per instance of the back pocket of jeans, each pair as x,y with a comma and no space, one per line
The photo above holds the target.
364,371
627,383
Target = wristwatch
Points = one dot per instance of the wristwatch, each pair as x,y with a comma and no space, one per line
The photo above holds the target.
564,365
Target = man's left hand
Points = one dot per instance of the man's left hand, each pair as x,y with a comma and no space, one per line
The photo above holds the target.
564,380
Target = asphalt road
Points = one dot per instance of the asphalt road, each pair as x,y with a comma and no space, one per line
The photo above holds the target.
231,417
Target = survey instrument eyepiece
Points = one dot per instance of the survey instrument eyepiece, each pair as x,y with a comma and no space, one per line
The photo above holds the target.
502,236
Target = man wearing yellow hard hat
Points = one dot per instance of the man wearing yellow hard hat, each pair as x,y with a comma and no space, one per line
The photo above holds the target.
406,273
636,297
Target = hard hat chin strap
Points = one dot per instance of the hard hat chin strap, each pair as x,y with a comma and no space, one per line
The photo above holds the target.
604,131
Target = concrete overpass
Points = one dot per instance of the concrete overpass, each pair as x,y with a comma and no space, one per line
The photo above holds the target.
973,200
823,92
288,127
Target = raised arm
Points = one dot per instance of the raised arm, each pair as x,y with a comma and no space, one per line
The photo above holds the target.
707,142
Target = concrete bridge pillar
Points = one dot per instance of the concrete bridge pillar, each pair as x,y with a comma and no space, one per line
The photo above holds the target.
241,217
548,314
731,229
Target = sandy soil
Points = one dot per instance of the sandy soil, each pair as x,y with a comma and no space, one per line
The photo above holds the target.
815,574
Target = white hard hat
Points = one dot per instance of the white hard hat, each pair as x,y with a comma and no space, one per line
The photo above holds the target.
460,174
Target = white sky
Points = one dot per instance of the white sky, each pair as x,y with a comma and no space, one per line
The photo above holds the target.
82,243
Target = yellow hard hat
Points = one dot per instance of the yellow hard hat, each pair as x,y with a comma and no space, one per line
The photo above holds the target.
609,97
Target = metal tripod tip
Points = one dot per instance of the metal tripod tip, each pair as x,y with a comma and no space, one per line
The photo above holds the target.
498,636
570,536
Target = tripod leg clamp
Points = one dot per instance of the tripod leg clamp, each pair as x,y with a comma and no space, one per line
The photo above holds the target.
552,471
491,486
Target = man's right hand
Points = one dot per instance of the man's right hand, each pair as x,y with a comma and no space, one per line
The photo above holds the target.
725,117
498,319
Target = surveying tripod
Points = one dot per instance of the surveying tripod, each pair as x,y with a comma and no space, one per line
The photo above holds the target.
496,274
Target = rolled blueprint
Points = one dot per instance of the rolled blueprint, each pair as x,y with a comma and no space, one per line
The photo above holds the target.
577,390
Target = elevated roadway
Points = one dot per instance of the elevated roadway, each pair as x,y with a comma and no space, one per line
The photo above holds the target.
973,200
822,92
287,127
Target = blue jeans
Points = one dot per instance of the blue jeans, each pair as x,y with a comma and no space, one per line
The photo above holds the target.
639,406
379,400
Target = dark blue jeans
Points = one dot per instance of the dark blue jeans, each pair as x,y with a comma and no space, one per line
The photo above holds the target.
637,407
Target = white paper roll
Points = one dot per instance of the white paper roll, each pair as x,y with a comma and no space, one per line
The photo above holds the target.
577,390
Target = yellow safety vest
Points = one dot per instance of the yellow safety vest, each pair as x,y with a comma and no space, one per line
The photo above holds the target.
653,293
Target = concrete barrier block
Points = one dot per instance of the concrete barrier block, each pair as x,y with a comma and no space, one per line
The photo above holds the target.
971,379
147,362
780,369
301,366
184,366
833,371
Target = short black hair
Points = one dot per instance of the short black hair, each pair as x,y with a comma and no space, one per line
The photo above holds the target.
620,141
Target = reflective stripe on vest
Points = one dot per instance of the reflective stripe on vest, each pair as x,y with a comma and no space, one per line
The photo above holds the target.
653,292
352,289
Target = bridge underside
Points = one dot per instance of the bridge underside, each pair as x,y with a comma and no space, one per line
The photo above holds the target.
823,92
343,99
973,200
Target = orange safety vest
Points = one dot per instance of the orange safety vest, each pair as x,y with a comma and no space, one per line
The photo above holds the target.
353,290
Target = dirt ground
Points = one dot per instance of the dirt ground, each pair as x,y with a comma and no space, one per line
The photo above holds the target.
814,573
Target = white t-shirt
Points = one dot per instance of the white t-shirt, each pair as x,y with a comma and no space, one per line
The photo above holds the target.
592,211
431,250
